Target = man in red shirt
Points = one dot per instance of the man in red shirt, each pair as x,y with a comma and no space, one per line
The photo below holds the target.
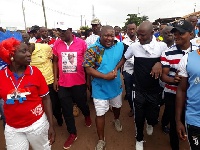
118,35
44,38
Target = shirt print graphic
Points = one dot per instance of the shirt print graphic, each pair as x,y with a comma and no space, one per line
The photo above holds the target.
38,110
17,95
69,62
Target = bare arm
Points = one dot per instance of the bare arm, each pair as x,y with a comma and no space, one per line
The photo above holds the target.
96,74
48,111
165,78
55,72
180,106
121,63
169,80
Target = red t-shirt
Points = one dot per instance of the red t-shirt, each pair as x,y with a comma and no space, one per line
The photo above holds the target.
51,41
23,96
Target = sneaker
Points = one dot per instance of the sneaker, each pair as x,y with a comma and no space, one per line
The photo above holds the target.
88,121
149,129
117,125
139,145
100,145
70,140
165,129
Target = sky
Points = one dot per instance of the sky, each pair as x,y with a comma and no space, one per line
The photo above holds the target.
110,12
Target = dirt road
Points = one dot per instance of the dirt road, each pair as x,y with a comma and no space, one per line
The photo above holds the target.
87,137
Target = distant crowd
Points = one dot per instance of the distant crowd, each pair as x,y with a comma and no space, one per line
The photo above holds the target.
46,73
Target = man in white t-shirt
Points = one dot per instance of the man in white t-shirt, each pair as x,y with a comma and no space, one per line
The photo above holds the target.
129,38
96,26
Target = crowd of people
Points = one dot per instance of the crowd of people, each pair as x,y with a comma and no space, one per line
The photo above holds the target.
44,74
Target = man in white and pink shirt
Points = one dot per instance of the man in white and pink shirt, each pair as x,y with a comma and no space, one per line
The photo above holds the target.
69,79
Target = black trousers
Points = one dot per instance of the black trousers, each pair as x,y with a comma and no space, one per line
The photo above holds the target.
170,112
194,136
56,106
146,107
67,95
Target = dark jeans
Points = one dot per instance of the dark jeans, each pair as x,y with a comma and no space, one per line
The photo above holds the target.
170,113
194,137
56,106
146,107
128,82
165,117
67,95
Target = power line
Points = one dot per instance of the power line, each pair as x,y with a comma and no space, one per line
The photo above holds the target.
48,8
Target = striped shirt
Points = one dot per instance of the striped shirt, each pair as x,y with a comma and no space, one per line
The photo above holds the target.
170,59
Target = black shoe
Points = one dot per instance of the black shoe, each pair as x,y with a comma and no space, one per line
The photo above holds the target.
166,129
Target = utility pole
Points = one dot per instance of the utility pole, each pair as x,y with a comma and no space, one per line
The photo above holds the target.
93,15
81,20
194,7
23,10
45,19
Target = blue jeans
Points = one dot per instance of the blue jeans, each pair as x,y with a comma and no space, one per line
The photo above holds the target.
2,111
128,82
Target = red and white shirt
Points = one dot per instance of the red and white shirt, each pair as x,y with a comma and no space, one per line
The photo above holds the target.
170,59
23,96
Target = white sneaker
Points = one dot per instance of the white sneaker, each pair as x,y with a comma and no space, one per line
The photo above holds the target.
149,129
139,145
100,145
117,124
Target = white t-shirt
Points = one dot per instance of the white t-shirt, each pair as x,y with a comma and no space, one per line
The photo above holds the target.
91,39
182,66
129,64
152,50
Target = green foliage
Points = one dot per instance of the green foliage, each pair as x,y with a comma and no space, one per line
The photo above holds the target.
134,18
84,28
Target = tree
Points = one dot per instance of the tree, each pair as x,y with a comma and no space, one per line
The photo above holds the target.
134,18
84,28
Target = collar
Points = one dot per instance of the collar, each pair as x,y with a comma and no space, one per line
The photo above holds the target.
74,40
28,71
185,51
129,39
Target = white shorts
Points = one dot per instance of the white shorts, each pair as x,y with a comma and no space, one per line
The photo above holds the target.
35,134
102,106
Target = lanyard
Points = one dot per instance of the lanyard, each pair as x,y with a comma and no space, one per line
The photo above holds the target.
16,87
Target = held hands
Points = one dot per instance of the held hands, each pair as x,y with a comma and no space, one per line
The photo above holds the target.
111,75
181,131
177,77
156,70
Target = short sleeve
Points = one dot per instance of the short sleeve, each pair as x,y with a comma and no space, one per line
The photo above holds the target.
182,66
43,89
129,53
89,58
164,60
